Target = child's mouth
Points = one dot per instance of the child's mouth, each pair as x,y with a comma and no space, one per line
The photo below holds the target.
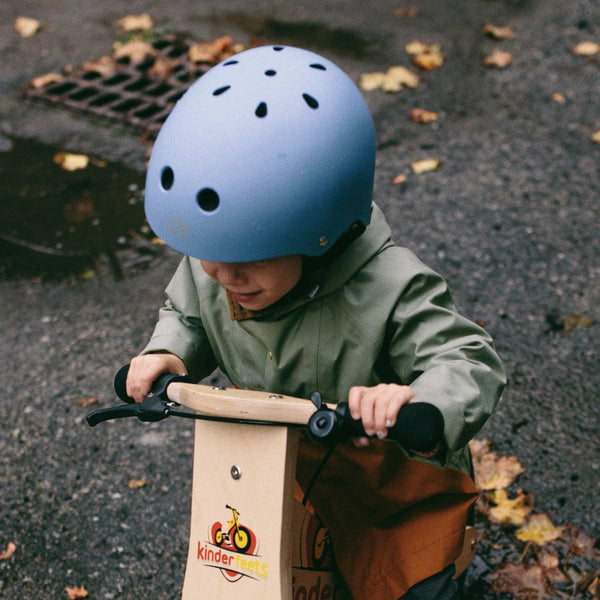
242,298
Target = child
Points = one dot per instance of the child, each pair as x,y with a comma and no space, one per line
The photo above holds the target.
262,176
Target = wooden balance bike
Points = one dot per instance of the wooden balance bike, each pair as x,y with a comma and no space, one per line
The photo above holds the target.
249,537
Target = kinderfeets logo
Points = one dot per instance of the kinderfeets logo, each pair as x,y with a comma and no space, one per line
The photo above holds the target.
234,550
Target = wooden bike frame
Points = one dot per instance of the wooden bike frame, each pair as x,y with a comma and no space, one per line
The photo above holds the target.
242,535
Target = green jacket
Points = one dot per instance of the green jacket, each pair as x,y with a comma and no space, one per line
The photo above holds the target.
377,314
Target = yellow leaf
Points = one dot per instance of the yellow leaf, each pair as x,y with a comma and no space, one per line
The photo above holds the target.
105,65
424,166
26,27
499,33
372,81
162,67
399,179
76,593
558,98
420,115
393,80
136,484
89,274
211,52
498,59
11,548
417,47
586,48
574,321
493,473
596,137
479,448
426,56
539,530
136,51
511,511
133,22
71,162
157,240
44,80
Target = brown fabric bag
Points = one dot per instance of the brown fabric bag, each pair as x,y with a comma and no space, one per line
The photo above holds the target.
393,521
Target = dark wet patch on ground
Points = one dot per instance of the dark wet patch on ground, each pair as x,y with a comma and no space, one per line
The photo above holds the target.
55,223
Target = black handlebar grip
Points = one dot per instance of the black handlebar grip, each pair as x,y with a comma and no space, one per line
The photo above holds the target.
419,426
120,384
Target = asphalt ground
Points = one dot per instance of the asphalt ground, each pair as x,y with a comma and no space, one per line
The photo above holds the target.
510,219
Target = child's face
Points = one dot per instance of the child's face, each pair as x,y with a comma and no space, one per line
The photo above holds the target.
256,285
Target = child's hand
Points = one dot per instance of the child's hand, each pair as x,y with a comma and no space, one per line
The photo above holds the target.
378,407
143,370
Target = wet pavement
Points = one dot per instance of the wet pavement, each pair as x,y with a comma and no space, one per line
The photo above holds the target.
510,219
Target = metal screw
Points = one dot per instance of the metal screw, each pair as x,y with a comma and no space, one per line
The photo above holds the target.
219,387
236,472
275,396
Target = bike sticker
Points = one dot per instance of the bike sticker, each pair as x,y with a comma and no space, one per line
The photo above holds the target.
233,550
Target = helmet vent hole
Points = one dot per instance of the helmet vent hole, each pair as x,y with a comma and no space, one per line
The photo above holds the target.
230,62
310,101
270,73
221,90
167,177
208,199
261,110
278,48
318,66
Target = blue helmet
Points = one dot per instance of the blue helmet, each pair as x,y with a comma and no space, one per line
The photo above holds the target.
270,153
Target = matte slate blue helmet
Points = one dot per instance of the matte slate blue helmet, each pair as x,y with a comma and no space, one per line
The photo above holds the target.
269,153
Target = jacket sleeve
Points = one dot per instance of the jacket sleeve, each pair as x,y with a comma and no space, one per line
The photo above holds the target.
446,359
179,329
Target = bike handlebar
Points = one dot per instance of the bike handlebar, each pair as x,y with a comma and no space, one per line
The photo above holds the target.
419,426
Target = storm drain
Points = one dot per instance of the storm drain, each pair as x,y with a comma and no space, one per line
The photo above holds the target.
129,93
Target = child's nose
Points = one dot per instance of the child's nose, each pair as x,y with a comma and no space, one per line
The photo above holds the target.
228,273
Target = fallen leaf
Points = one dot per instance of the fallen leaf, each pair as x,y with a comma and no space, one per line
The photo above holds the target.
559,98
158,241
99,163
399,179
89,274
596,137
428,57
512,511
581,544
11,548
424,166
393,80
133,22
211,52
499,33
105,65
137,51
162,67
480,322
406,11
549,562
86,401
26,27
594,588
44,80
539,530
498,59
574,321
524,583
493,472
71,162
136,484
586,48
76,593
420,115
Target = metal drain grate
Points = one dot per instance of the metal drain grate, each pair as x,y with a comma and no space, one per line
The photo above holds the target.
130,93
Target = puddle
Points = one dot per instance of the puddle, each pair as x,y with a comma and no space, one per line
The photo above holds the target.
55,223
310,34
